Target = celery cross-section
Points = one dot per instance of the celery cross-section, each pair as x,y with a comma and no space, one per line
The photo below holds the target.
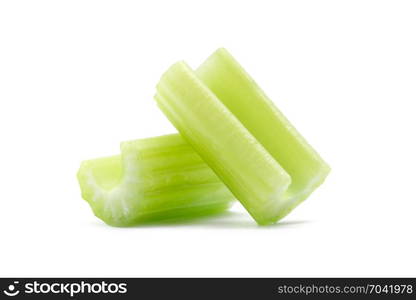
154,179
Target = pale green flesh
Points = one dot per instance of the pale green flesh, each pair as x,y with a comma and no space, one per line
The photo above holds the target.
241,135
240,161
154,179
243,97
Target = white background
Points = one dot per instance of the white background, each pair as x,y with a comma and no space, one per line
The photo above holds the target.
77,77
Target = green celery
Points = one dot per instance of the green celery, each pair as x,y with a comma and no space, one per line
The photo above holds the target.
242,136
154,179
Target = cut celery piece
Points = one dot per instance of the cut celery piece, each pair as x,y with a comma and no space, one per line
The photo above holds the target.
243,97
223,114
242,163
154,179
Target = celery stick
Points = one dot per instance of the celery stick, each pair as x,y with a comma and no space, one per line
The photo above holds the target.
240,161
243,97
154,179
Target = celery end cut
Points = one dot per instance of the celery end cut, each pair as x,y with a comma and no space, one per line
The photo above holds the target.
153,180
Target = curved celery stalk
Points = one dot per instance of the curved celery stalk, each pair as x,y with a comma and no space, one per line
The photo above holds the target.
154,179
242,96
239,160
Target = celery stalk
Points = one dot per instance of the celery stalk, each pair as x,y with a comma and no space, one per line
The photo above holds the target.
241,135
240,161
243,97
154,179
